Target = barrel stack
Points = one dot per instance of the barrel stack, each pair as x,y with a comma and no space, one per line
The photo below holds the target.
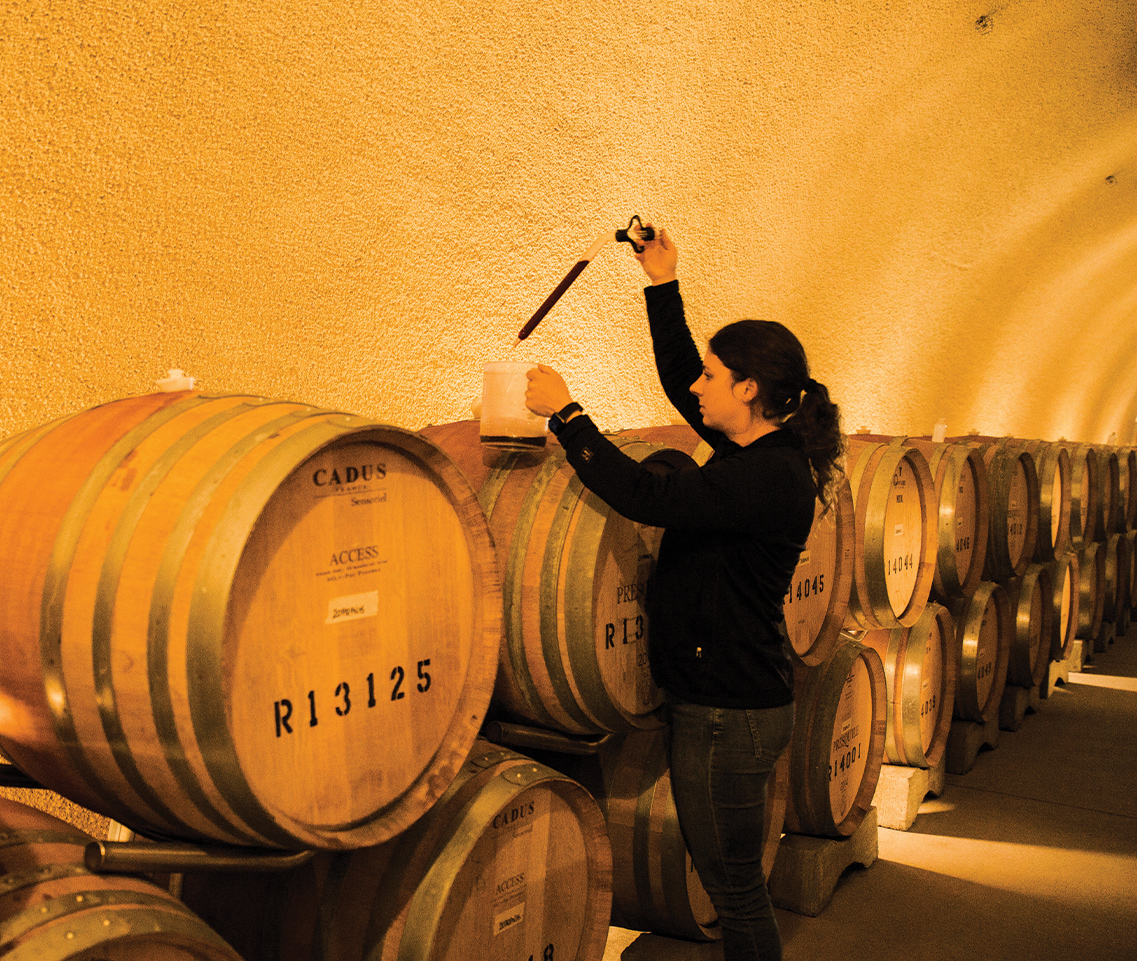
412,670
254,633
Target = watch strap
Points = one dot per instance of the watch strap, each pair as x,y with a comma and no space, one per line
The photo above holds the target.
560,418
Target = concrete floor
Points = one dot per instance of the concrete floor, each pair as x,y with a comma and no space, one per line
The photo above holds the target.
1030,854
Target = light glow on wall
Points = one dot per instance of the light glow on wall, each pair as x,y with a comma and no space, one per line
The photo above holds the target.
357,207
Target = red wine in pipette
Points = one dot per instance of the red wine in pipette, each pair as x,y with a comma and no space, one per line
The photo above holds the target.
552,298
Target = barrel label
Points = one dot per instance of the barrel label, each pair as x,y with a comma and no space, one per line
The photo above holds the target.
904,517
507,919
516,814
965,517
849,733
1017,500
290,718
347,478
807,602
357,485
352,607
625,559
852,726
931,680
349,563
509,894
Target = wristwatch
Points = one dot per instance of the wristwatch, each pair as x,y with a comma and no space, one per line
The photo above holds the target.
560,418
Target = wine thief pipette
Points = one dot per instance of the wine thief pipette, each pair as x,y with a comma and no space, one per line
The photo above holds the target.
635,233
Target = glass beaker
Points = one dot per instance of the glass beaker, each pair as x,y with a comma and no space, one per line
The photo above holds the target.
505,420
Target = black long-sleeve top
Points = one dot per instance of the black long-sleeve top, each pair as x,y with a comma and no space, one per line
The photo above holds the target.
734,529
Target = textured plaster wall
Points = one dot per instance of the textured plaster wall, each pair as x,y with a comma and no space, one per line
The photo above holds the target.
357,204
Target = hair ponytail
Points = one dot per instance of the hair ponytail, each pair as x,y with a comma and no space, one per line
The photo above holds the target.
769,353
817,422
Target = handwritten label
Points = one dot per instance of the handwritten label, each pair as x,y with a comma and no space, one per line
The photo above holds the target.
351,607
507,919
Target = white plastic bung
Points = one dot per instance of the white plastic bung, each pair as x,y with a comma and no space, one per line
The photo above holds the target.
175,380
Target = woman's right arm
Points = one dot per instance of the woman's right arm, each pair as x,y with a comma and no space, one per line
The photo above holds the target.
677,359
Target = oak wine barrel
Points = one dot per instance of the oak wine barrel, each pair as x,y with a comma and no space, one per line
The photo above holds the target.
242,619
896,534
983,626
1052,463
1031,598
838,741
816,604
920,675
1064,579
959,475
1013,530
512,862
1127,462
1132,535
676,436
1085,495
654,885
1091,590
1111,514
574,583
1118,563
53,909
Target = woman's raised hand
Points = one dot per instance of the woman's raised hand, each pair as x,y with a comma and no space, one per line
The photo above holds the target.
658,258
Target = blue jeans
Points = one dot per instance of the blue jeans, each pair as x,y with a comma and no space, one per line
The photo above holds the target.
721,760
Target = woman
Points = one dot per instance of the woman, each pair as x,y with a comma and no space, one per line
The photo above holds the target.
733,531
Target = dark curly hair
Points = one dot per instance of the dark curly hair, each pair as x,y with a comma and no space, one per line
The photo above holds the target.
769,353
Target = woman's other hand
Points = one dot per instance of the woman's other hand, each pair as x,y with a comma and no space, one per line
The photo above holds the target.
547,392
658,258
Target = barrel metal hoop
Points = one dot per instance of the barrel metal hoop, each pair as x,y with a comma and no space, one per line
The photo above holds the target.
569,505
61,906
525,775
655,766
103,619
19,880
11,839
426,836
55,589
879,723
825,697
161,601
512,579
880,488
487,496
91,929
430,900
907,670
487,759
